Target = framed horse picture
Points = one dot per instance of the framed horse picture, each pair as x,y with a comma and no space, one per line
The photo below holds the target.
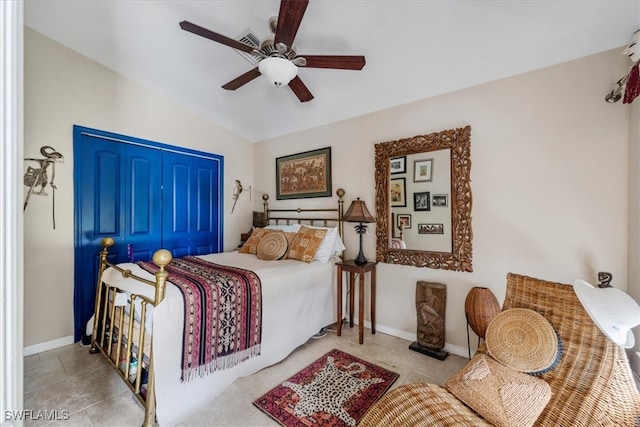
303,175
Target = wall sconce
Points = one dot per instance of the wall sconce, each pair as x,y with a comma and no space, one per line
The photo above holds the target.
237,190
37,177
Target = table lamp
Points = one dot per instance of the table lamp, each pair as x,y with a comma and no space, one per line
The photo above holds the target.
358,212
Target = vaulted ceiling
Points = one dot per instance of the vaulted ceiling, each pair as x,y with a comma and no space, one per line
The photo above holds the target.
414,49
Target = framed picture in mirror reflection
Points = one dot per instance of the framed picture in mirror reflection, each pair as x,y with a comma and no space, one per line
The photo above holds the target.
440,200
403,221
430,229
398,165
397,192
423,170
422,201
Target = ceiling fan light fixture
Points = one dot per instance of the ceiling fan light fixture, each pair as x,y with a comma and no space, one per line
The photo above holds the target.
279,71
275,56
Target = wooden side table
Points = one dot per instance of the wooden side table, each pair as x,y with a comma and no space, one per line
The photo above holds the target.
244,237
352,268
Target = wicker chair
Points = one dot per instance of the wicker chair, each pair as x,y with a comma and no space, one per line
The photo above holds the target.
592,385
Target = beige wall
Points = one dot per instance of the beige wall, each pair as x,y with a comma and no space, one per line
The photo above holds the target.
63,88
549,178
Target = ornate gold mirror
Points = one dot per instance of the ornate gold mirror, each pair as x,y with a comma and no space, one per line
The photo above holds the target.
423,207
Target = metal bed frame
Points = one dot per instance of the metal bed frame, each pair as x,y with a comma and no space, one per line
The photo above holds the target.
114,321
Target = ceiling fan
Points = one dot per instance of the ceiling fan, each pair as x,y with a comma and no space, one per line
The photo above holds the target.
279,61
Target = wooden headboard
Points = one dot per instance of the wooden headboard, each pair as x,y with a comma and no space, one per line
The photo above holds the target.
327,217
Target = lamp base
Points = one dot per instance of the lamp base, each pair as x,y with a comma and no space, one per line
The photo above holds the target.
360,259
438,354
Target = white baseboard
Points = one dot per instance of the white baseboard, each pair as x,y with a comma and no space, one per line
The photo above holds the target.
61,342
391,331
457,350
49,345
451,348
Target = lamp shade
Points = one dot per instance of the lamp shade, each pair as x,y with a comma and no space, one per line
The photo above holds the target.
279,71
481,307
358,212
613,311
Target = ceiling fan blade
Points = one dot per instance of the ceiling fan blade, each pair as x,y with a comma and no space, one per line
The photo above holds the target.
208,34
242,79
342,62
289,18
301,91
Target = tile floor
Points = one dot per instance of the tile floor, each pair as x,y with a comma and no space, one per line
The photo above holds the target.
69,378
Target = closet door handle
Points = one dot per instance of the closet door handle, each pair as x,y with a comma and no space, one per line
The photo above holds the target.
130,252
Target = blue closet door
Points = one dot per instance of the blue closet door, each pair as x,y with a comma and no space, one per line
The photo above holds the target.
146,196
143,202
192,195
118,195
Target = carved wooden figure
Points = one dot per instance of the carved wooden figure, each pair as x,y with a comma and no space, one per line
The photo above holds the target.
431,299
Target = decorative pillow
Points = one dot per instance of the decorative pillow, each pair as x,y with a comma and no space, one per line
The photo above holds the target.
251,245
331,245
288,228
272,246
523,340
290,236
501,395
306,243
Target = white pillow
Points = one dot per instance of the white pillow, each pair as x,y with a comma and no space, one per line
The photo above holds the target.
331,244
339,245
293,228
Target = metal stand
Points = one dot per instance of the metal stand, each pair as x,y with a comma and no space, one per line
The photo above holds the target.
469,340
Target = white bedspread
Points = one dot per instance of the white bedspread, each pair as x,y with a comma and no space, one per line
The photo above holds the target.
298,299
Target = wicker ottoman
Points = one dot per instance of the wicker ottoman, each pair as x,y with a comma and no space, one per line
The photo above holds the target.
421,404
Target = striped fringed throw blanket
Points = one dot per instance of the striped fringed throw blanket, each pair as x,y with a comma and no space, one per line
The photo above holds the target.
223,314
